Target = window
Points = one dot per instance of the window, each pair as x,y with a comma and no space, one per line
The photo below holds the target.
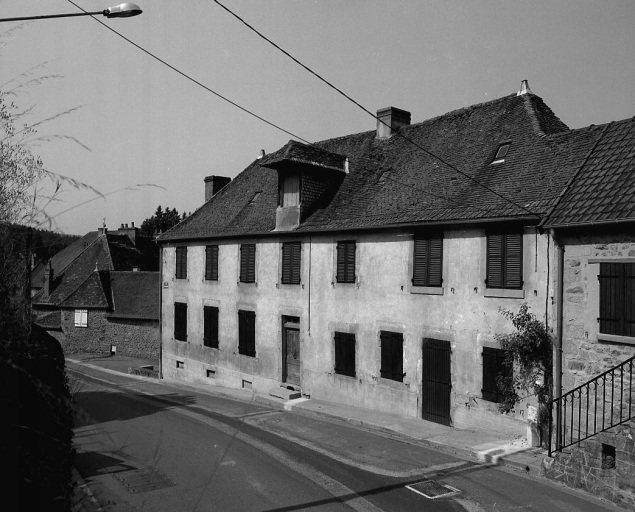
248,263
391,355
181,262
290,191
247,333
501,153
493,366
345,353
81,318
505,261
427,268
346,261
180,321
291,252
210,326
211,263
617,299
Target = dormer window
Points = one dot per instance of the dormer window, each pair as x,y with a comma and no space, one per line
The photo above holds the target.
501,153
290,190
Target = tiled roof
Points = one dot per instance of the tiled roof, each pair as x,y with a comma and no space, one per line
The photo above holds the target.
411,179
136,295
92,293
603,189
295,152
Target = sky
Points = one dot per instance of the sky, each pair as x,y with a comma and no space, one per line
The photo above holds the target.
143,135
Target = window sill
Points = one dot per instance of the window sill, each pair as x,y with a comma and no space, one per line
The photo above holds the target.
427,290
339,374
614,338
504,293
242,284
211,281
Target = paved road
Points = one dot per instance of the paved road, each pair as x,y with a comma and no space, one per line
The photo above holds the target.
148,446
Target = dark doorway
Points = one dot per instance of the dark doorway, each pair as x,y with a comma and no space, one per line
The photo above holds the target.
436,386
291,350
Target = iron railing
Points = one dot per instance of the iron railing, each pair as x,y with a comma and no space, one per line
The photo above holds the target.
597,405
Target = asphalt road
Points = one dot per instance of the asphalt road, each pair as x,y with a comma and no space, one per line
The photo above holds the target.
152,447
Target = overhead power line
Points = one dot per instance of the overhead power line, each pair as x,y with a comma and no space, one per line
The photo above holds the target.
349,98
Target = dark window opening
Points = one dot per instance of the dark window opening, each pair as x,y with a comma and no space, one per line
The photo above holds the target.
247,333
248,263
608,456
345,353
505,261
181,262
427,268
211,263
180,321
391,355
617,299
291,261
210,326
494,367
346,261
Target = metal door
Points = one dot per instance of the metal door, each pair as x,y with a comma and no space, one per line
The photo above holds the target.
291,353
436,386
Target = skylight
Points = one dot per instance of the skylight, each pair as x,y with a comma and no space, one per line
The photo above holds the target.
501,153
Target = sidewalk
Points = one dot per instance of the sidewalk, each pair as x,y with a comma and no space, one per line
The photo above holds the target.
474,445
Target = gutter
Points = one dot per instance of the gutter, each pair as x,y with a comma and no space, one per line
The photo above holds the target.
590,223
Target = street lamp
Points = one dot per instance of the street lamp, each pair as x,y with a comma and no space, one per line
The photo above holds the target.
124,10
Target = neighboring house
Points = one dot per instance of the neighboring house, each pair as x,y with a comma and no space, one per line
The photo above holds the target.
370,269
594,225
102,294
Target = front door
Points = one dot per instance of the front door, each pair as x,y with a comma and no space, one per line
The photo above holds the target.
291,351
436,386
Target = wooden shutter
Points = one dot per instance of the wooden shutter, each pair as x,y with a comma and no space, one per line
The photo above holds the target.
291,261
427,261
346,261
494,261
617,298
210,326
340,354
629,299
247,333
391,355
291,190
180,321
344,353
513,261
181,262
248,263
211,262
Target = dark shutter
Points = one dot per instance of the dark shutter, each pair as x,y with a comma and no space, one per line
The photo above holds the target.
180,321
391,355
291,261
495,261
617,298
427,261
181,262
247,333
210,326
514,261
211,263
493,366
346,261
344,353
629,299
248,263
505,261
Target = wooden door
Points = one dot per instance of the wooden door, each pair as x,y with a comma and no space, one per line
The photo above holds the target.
291,353
436,386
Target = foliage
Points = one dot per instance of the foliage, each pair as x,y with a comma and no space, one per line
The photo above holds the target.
48,243
529,352
161,221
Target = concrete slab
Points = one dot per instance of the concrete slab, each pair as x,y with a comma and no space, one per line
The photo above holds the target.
284,393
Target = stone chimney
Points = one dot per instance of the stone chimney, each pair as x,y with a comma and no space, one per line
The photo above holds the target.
102,231
213,184
47,284
389,120
131,232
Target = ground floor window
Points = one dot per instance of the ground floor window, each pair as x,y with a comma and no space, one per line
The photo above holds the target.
210,326
180,321
81,318
247,333
493,366
391,355
345,353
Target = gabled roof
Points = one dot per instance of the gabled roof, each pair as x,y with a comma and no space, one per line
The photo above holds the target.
603,188
92,293
411,178
135,295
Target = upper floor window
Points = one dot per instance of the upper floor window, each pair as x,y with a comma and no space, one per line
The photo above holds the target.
210,326
211,262
181,262
248,263
427,268
81,318
180,321
617,299
494,367
346,261
345,353
290,190
391,355
505,261
247,333
291,260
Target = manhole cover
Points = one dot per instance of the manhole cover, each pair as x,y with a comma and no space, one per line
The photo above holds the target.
143,480
433,490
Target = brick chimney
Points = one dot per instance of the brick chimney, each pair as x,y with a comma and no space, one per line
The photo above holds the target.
389,120
131,231
47,284
213,184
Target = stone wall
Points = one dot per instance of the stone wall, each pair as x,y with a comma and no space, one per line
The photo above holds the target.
603,465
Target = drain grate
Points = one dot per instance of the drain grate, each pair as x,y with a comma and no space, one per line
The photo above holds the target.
143,480
433,490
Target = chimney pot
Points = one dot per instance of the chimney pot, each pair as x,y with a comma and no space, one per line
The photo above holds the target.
213,184
389,120
132,224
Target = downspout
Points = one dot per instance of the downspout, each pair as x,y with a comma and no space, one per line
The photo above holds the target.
161,313
309,308
559,329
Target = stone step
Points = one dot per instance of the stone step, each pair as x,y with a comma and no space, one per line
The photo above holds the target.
284,393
